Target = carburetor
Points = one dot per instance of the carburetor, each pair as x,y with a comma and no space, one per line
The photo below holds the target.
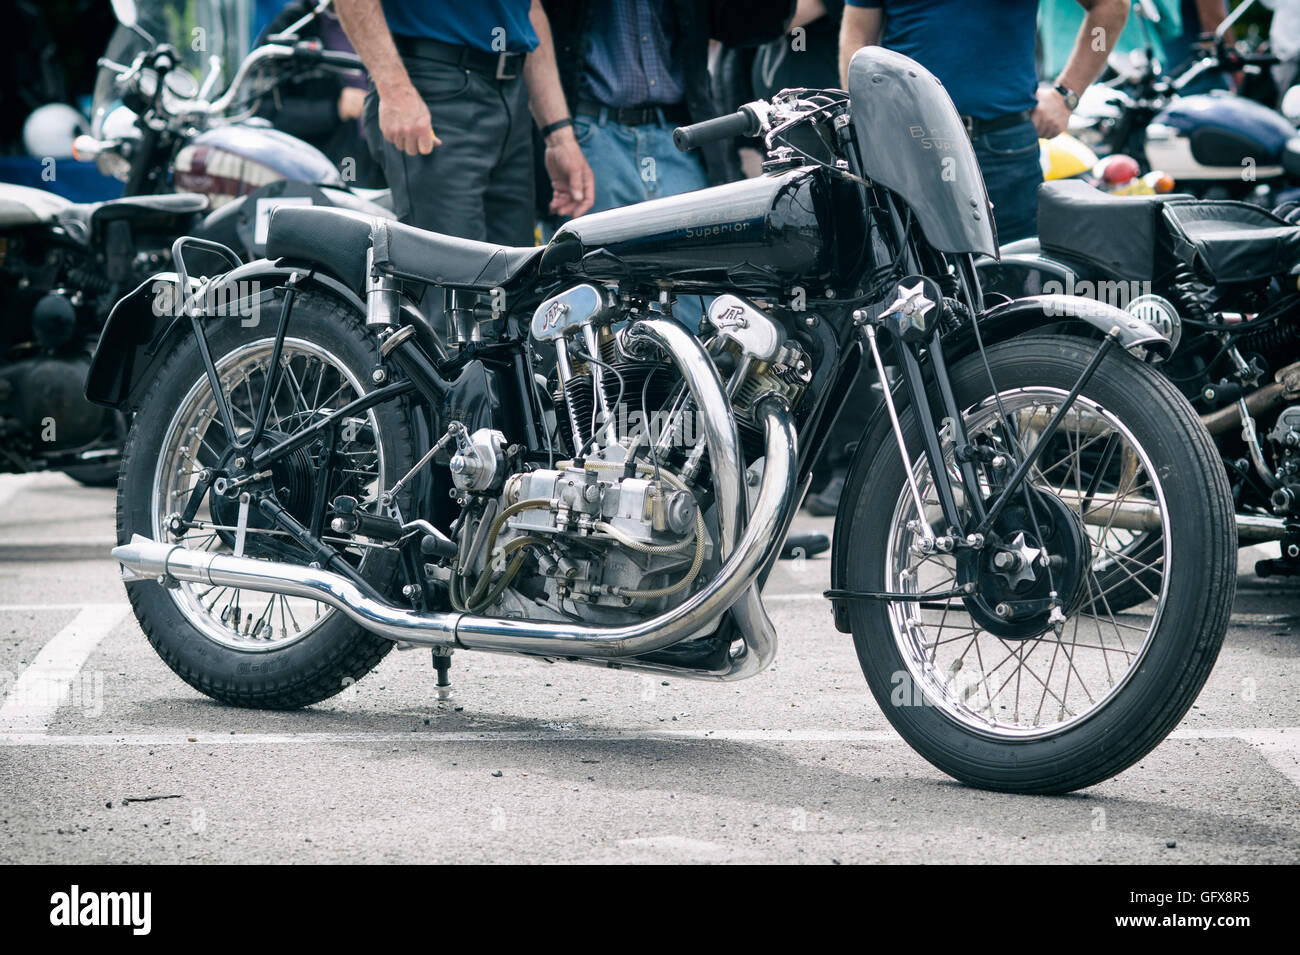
640,509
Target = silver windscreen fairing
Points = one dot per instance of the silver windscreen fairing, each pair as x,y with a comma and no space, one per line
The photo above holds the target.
913,142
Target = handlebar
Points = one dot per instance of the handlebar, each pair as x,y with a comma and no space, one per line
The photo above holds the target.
272,51
313,54
743,122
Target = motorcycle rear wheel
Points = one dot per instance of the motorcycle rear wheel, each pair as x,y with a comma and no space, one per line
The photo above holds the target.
245,648
1054,712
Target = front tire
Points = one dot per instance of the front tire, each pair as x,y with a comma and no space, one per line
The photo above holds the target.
1053,712
240,647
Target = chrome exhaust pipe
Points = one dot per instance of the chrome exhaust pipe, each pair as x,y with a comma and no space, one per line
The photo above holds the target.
1256,529
149,558
719,424
146,557
733,589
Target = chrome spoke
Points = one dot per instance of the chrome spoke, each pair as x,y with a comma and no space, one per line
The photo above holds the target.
247,620
1027,686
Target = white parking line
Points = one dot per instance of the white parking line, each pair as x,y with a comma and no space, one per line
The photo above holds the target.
28,608
1280,747
433,736
11,484
39,690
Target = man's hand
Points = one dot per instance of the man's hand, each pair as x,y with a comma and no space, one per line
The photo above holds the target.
352,102
572,182
405,122
1051,115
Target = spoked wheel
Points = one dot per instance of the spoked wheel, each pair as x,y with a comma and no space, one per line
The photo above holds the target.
1090,455
992,687
238,646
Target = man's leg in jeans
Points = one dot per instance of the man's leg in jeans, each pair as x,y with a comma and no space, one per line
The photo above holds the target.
610,151
1012,172
444,191
666,170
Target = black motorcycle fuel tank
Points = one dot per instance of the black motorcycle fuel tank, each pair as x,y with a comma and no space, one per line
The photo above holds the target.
761,233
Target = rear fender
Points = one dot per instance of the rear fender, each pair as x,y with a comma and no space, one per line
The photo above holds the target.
145,323
1024,270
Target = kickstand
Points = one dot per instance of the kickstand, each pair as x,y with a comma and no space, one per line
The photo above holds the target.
442,663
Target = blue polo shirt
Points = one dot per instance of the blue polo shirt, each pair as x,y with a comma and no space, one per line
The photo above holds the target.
981,50
494,26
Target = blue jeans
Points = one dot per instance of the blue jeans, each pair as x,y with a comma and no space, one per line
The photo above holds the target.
635,163
1008,159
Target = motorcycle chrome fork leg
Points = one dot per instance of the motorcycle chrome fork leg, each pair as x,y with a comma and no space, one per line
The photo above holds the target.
923,526
931,441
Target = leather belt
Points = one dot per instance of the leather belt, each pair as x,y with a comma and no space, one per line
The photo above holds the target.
635,115
501,66
976,127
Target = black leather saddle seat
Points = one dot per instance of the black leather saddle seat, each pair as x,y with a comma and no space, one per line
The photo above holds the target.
81,219
1123,236
337,239
1134,237
1234,241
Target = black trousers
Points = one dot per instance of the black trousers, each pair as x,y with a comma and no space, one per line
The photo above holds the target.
479,183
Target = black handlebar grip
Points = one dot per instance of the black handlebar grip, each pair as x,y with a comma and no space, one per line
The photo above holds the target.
341,59
743,122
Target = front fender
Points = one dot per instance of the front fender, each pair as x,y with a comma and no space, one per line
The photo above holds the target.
1070,314
144,323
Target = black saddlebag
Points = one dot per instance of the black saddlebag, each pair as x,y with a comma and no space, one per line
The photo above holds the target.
1123,236
1232,241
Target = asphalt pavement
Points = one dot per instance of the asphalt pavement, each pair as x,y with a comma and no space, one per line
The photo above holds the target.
107,757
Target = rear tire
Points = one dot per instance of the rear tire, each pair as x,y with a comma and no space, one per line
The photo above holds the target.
969,727
322,656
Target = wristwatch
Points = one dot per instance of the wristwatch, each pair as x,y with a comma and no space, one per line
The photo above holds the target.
1070,96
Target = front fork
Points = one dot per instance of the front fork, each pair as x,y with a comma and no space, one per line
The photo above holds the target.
932,439
906,319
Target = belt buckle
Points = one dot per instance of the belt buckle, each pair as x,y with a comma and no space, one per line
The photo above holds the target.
502,60
969,123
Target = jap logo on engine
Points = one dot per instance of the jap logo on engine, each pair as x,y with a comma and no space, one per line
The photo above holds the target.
731,317
552,316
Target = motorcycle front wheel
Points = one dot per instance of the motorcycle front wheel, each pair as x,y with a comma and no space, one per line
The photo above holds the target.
1022,705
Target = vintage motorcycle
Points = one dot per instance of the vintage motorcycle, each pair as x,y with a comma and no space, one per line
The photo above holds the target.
1214,145
63,265
309,485
159,129
1219,276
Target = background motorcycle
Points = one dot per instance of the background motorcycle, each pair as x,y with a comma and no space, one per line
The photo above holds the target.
1065,157
215,147
1213,144
62,265
315,486
1220,277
